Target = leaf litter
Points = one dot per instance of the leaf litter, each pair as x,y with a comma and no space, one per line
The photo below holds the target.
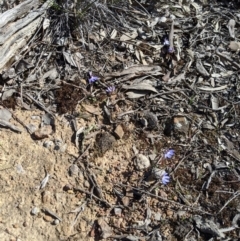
124,85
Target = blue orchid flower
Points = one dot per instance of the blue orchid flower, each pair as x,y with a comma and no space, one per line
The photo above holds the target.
169,154
110,89
165,178
93,79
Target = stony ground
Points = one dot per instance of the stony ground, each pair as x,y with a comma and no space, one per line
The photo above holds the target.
96,101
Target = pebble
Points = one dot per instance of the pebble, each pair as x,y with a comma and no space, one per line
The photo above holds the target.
119,132
118,211
35,117
157,216
105,141
15,225
73,170
60,145
25,224
67,188
56,222
125,201
35,211
181,124
32,127
142,161
152,157
48,144
157,173
46,197
63,148
20,169
152,120
105,229
47,218
86,184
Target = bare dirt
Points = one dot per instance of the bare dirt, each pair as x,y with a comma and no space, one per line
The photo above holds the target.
93,174
20,192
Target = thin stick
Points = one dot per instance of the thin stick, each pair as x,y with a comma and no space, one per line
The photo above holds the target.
91,194
166,200
170,37
236,194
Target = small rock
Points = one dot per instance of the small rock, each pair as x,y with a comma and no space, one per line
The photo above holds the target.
32,127
35,117
234,46
15,225
48,143
125,201
46,197
152,157
56,222
142,162
25,224
157,173
60,145
105,229
86,184
152,120
20,169
63,148
47,218
105,141
157,216
35,211
67,188
119,132
73,170
118,211
181,124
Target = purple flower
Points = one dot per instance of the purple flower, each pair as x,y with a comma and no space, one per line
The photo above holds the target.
170,50
165,178
169,154
93,79
110,89
166,42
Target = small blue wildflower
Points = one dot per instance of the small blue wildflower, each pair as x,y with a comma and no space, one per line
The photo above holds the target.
170,50
166,42
169,154
93,79
165,178
110,89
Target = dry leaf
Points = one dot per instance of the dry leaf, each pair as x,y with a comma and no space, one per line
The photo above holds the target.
213,89
135,70
140,86
129,36
46,23
113,34
91,109
136,94
231,25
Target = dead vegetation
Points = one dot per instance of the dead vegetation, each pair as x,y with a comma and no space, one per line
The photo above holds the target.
134,80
